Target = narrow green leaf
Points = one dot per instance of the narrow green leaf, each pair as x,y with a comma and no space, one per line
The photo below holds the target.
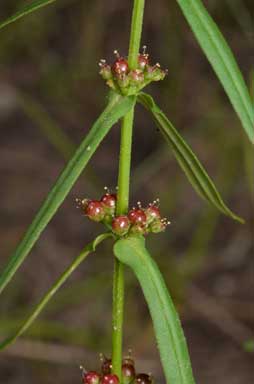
29,8
117,108
222,60
187,160
46,298
169,334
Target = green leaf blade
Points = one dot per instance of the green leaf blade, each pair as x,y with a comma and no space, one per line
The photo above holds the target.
221,59
33,6
187,160
116,109
52,291
169,334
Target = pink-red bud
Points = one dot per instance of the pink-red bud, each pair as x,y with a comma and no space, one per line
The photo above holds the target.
137,216
109,202
152,213
94,210
91,377
110,379
121,225
120,66
128,373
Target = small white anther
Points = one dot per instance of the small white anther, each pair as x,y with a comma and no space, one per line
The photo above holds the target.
101,356
88,148
116,53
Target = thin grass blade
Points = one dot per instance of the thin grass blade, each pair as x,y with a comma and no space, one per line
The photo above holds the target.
29,8
116,109
86,251
187,160
222,60
169,334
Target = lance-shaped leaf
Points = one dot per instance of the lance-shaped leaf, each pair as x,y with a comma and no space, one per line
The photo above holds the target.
117,107
188,161
44,301
222,60
169,334
29,8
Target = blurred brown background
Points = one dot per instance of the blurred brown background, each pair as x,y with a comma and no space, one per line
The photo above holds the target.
50,93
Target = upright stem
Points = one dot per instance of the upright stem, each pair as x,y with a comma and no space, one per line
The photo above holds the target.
123,193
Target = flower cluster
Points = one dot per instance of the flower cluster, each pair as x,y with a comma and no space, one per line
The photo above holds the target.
129,375
128,81
138,221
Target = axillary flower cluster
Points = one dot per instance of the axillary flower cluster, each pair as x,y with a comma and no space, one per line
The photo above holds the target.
127,81
138,221
129,375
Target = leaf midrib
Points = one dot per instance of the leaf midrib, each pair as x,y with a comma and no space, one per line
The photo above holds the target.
174,346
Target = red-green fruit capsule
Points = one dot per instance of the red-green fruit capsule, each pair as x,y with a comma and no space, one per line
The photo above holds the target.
106,366
155,73
110,379
137,216
95,210
120,225
128,373
157,226
143,378
91,377
136,76
152,213
138,229
123,81
143,60
120,66
105,72
109,202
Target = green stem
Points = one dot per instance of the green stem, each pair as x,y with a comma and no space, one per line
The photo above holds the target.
123,194
125,163
136,31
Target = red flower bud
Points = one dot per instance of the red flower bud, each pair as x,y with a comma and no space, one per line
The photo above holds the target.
120,225
120,66
94,210
109,202
137,216
152,213
128,373
91,377
110,379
